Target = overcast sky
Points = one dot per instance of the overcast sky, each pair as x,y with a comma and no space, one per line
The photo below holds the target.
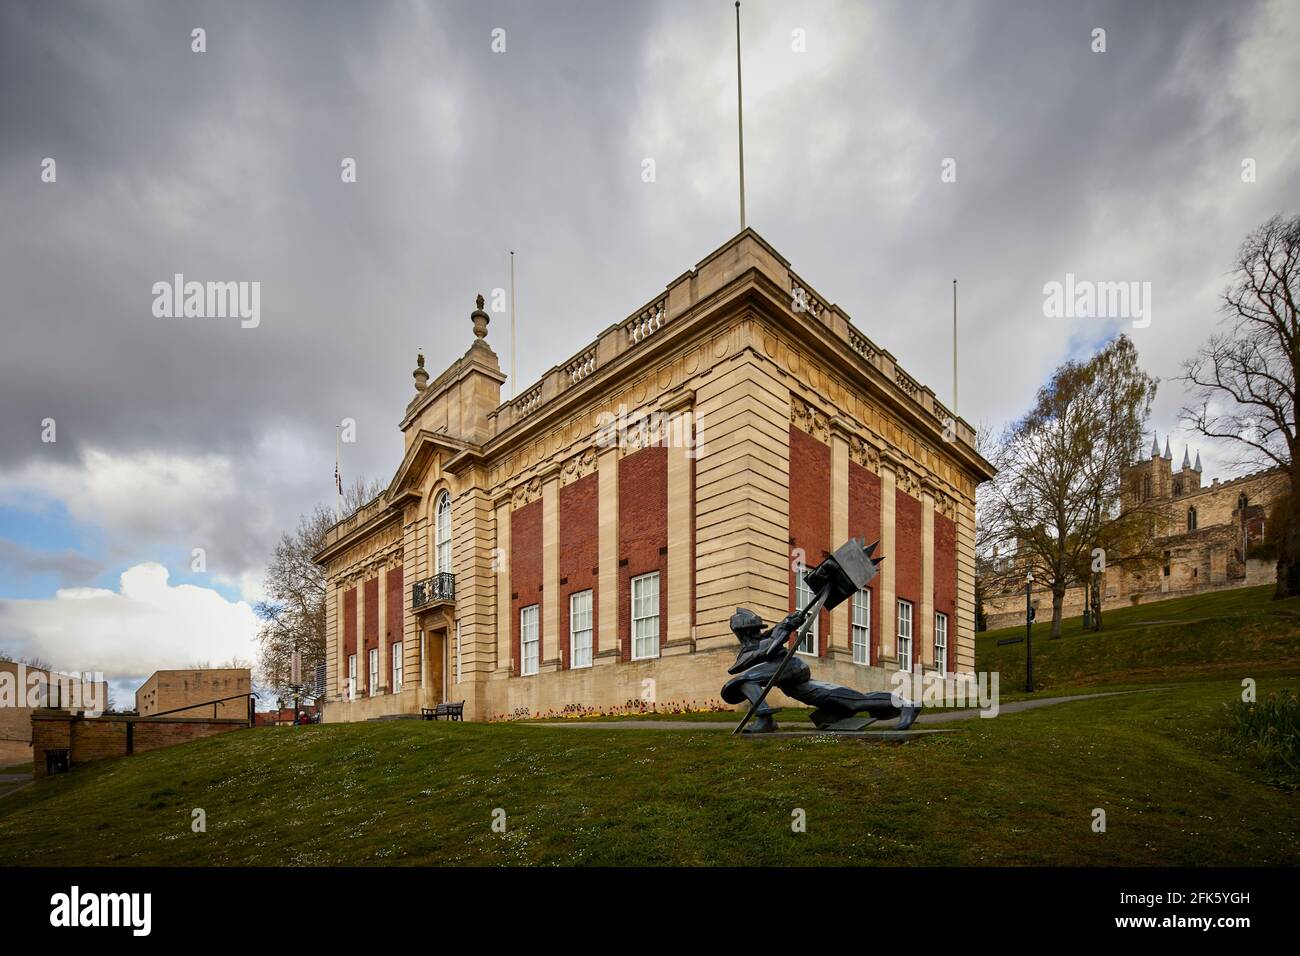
175,434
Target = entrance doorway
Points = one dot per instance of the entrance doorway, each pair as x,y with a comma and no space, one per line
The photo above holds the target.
433,664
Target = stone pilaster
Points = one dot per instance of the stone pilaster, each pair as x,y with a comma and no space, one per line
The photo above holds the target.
926,629
473,541
363,662
550,656
679,633
340,651
410,574
607,644
384,667
888,602
963,643
838,641
503,619
742,550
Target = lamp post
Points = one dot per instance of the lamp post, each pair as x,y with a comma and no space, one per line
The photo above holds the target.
1029,632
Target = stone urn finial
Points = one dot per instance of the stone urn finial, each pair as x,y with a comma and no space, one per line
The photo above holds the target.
420,375
480,319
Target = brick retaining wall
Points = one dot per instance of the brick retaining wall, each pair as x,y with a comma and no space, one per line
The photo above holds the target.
100,738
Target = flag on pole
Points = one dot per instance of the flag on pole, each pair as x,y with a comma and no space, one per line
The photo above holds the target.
338,477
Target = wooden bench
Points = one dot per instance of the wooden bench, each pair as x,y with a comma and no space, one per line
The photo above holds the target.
452,711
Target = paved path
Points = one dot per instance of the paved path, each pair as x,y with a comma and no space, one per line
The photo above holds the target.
9,782
927,717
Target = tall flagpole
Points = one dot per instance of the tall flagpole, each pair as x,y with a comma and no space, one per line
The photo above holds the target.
338,477
513,390
954,346
740,121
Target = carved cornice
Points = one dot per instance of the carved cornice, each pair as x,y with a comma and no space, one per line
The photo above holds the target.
578,466
525,493
864,453
946,505
808,419
908,481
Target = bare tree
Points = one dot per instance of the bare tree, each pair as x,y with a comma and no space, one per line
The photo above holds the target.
293,616
1056,498
1244,377
39,663
235,663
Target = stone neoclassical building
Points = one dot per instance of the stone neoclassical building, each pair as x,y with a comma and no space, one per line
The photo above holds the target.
584,544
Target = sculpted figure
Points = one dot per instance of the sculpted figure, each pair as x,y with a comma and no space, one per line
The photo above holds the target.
764,653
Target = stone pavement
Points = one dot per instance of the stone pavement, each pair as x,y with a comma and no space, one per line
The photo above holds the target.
934,716
9,782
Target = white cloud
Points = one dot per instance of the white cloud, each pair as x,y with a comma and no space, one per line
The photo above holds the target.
141,493
150,501
145,625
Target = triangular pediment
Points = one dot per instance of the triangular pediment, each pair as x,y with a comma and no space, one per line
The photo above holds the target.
411,473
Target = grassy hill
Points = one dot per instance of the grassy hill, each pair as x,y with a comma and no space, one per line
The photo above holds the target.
1019,789
1241,633
1176,787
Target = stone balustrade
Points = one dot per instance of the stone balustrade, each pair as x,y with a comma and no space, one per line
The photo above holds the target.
744,251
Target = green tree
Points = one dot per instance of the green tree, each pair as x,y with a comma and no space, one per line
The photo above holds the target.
1056,498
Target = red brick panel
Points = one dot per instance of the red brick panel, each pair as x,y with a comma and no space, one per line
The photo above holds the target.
371,630
526,573
350,630
393,622
579,554
810,512
642,536
864,524
945,580
907,561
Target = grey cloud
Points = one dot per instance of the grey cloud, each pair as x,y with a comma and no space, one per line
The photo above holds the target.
225,165
71,567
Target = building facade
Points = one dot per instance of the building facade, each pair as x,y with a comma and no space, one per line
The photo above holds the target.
192,692
1208,538
583,544
25,688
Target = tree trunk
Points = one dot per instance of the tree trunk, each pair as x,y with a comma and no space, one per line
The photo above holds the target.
1095,597
1058,600
1288,553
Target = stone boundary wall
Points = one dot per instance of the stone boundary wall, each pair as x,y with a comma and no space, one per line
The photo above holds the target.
1009,610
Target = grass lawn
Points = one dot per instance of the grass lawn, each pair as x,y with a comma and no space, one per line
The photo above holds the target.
1239,633
1019,789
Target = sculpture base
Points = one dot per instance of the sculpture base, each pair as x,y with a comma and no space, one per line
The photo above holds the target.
837,723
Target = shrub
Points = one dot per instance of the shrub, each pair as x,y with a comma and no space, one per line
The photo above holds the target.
1268,731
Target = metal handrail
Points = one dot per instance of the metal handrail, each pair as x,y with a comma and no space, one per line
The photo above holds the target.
252,708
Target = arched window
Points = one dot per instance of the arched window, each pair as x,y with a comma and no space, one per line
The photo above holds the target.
1191,519
442,534
1146,487
1242,502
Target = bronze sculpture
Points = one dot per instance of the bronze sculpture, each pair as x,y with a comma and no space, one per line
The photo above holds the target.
766,658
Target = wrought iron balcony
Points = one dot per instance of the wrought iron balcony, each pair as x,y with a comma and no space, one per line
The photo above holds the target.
439,589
